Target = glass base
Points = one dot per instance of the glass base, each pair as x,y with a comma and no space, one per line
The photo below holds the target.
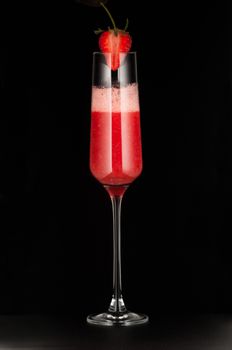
126,319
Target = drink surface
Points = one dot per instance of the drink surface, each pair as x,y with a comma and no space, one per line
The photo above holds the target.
115,145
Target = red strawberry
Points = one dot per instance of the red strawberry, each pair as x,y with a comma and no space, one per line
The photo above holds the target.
109,42
115,42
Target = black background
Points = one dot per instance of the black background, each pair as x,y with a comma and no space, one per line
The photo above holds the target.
55,219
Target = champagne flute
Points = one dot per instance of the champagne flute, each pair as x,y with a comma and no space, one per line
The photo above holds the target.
115,158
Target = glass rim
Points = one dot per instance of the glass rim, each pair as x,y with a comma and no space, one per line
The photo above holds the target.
109,53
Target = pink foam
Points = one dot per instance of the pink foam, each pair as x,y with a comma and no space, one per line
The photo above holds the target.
124,99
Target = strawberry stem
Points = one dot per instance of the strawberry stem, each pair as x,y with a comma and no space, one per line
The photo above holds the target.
111,18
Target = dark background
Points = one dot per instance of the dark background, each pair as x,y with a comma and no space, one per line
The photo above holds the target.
55,219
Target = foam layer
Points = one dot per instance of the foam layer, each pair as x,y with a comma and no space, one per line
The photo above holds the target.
124,99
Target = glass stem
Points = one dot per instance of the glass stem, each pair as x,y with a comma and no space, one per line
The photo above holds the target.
117,305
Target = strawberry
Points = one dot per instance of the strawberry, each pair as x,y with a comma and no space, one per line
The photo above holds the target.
109,42
116,42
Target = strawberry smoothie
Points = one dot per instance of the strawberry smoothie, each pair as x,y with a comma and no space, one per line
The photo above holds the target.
115,147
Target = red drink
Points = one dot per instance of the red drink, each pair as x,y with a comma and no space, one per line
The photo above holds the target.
115,148
115,159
